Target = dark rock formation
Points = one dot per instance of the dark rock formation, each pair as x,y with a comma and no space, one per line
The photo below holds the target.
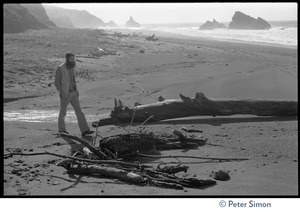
62,21
207,26
132,23
38,11
18,19
210,25
79,18
218,25
242,21
111,24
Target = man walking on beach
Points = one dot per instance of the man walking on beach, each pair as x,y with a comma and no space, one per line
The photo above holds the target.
66,85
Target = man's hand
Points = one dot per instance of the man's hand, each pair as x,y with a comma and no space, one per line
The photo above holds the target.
63,96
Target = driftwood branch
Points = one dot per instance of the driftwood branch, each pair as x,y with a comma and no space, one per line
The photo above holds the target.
140,177
193,157
199,106
151,38
92,57
90,147
136,174
108,172
176,182
143,176
112,162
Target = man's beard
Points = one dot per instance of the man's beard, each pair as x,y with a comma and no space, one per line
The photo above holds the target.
70,64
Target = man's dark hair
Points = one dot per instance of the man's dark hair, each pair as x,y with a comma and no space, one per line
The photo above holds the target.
69,54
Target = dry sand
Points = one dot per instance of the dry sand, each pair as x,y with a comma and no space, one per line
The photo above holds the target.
172,65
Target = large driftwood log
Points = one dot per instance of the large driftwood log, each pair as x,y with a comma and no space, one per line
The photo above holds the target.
199,106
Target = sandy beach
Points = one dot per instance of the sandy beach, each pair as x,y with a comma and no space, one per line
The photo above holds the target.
174,64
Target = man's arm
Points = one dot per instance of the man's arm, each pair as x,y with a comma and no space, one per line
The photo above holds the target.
58,79
76,73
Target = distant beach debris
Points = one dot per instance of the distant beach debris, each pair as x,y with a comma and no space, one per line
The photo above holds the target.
120,34
151,38
191,130
243,21
211,25
134,34
132,23
102,51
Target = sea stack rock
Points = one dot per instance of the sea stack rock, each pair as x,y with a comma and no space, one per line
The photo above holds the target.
243,21
111,24
210,25
132,23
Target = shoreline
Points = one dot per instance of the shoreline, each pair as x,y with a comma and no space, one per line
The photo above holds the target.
194,37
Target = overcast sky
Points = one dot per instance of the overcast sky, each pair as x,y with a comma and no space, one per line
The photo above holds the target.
147,13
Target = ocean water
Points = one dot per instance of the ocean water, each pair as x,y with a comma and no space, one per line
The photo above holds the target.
281,33
45,116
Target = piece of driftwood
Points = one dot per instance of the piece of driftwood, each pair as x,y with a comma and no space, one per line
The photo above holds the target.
176,145
107,171
135,34
139,177
135,174
173,180
97,152
89,154
191,130
199,106
172,169
99,52
161,184
151,38
192,157
83,56
120,34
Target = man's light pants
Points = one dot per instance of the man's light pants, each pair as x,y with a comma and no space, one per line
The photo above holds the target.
73,99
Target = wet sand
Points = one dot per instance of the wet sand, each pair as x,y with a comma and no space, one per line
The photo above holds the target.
168,67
